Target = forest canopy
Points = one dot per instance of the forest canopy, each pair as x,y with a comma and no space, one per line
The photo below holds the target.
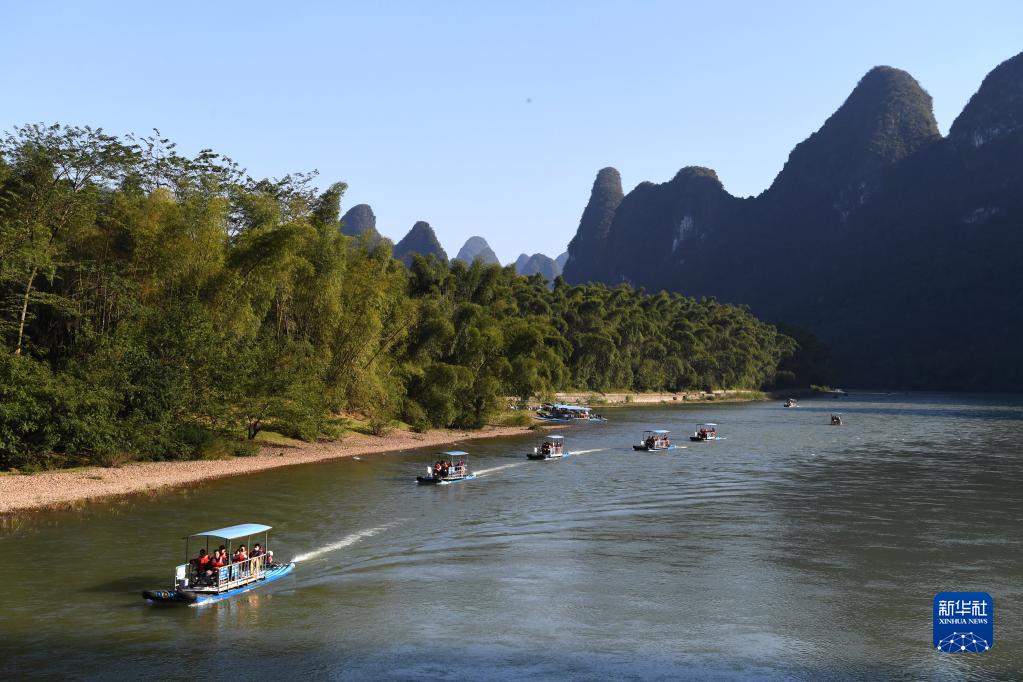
153,304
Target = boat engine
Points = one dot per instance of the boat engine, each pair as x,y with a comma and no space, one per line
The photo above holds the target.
181,576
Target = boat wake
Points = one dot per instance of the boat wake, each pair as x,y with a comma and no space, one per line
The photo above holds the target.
483,472
346,541
586,452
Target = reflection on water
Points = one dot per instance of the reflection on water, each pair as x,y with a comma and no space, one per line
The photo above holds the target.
792,549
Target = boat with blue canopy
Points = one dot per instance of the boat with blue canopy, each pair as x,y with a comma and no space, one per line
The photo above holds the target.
705,432
559,412
213,577
551,447
451,467
657,439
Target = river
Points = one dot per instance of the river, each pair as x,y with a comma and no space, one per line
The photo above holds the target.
791,549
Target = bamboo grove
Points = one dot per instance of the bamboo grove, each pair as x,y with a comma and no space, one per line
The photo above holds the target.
159,306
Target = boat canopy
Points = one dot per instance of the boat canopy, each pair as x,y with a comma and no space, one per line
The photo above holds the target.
708,424
571,408
554,437
660,431
456,453
242,530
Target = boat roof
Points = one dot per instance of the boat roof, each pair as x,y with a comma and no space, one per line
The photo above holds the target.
708,424
571,408
242,530
455,453
658,431
554,437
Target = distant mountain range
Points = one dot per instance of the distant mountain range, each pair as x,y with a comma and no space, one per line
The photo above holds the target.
538,263
898,247
477,248
421,239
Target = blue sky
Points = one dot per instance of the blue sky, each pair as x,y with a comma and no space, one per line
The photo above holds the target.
486,118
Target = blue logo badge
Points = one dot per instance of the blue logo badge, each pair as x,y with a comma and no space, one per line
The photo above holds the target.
964,622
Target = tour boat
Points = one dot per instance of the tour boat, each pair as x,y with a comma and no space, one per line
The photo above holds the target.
558,412
654,440
452,467
791,402
705,432
551,447
836,420
197,587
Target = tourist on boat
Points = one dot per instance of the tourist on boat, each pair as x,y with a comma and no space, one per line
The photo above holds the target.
217,562
269,558
202,563
241,554
257,550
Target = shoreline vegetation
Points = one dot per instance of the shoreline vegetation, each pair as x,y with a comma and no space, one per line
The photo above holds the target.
68,488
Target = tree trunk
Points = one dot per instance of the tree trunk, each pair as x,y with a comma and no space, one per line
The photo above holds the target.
24,310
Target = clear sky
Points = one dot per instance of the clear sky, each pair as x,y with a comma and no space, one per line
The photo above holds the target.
483,117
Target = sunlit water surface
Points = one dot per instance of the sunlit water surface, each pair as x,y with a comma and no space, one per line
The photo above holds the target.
790,550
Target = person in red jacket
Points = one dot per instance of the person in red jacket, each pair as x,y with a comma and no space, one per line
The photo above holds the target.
218,561
202,562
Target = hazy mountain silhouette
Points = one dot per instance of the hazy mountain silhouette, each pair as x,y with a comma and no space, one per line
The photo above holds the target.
477,248
538,263
420,239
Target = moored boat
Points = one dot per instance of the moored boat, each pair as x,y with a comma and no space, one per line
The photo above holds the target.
452,467
210,578
836,420
658,439
551,447
558,412
705,432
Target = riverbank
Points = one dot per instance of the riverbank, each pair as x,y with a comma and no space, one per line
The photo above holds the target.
68,487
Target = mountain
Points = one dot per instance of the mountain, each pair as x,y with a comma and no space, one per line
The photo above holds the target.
588,248
420,239
520,262
996,110
897,247
477,248
561,260
360,220
539,263
887,117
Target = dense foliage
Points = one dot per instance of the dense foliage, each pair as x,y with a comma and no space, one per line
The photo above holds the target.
157,306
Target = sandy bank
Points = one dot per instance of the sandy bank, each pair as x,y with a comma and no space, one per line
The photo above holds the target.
54,489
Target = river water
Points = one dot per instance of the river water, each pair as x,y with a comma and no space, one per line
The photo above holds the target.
789,550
